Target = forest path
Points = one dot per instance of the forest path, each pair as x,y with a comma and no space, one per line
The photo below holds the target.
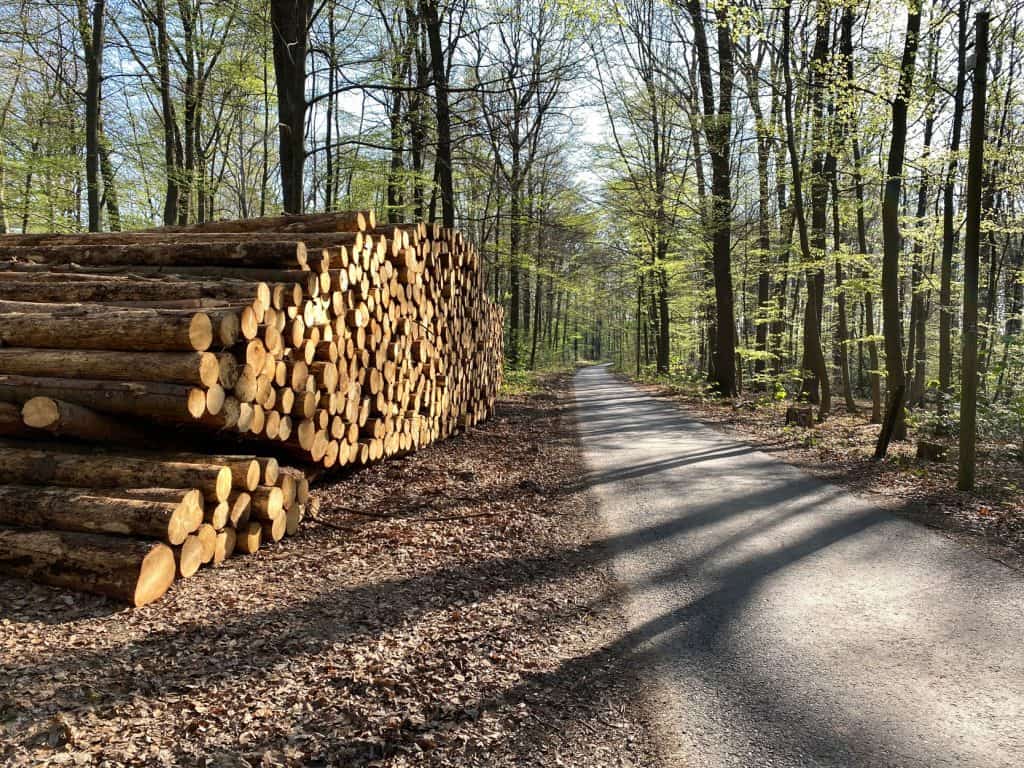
782,621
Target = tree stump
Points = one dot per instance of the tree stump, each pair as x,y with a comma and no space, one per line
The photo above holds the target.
800,415
928,451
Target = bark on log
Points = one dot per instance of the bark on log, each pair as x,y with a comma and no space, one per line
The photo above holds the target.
195,368
70,420
122,290
318,240
99,327
249,538
342,221
90,511
128,570
174,403
31,466
243,253
11,424
251,274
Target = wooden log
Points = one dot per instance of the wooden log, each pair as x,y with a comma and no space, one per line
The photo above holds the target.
175,403
11,424
342,221
70,420
225,545
184,237
32,466
249,538
931,451
249,274
244,253
274,530
195,368
128,570
293,516
121,290
217,514
90,511
131,330
267,503
240,507
265,472
189,556
207,536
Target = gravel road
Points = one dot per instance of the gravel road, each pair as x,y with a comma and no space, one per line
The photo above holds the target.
782,621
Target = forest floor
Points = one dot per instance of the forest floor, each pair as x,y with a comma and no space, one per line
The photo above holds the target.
431,617
840,450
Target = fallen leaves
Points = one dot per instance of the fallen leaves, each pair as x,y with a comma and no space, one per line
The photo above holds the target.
437,616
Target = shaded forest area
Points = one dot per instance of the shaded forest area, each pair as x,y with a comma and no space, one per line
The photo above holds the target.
789,201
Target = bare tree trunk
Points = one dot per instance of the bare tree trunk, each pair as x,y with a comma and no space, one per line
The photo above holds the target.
895,373
429,12
110,201
764,222
92,46
718,130
916,358
813,353
290,20
813,357
948,214
975,174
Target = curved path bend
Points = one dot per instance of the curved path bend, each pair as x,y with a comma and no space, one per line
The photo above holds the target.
782,621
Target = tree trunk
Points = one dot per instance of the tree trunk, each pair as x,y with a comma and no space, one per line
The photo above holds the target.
718,133
895,373
429,11
171,152
813,357
110,201
290,22
916,353
975,180
813,352
869,299
948,215
92,47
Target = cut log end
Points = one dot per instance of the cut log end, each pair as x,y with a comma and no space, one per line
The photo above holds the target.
252,475
40,412
155,576
248,539
200,332
223,484
225,545
189,556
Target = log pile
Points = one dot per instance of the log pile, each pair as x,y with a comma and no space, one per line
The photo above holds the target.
154,384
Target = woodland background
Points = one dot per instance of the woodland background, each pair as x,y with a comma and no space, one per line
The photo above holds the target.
766,198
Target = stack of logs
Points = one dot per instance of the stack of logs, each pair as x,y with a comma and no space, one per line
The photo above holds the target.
152,383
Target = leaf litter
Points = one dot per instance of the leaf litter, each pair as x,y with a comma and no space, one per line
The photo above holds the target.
452,608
